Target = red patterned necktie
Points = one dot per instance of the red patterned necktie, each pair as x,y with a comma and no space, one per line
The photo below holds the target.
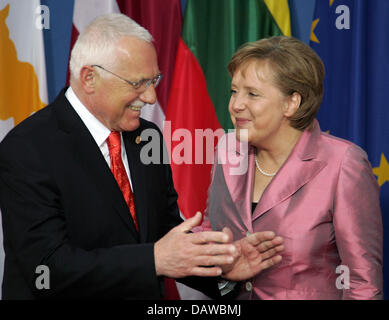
119,172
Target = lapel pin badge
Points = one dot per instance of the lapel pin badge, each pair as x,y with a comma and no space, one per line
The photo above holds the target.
138,139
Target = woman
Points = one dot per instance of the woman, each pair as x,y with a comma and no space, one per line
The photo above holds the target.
313,189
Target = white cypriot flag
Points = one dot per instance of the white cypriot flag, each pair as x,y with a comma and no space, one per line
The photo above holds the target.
87,10
23,85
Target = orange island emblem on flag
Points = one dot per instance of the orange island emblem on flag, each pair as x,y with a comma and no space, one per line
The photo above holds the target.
19,86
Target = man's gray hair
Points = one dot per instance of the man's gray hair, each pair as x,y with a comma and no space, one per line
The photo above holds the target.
96,44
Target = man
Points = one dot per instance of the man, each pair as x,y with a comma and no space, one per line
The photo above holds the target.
77,199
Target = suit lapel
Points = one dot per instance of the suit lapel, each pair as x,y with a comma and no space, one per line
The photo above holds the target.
301,167
81,145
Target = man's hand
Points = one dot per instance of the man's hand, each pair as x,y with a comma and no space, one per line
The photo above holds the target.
179,253
255,253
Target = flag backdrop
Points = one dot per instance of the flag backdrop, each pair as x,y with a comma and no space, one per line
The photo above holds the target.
351,37
23,87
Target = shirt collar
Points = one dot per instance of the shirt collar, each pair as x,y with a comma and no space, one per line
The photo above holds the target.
99,132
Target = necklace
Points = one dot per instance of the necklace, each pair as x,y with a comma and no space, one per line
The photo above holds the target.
263,172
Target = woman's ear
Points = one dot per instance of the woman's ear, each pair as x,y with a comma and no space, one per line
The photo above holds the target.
292,104
88,79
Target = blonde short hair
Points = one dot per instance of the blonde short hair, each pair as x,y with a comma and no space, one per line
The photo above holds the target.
296,68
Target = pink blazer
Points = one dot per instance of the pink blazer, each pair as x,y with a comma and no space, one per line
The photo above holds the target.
324,202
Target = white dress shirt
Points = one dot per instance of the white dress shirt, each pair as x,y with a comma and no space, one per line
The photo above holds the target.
98,131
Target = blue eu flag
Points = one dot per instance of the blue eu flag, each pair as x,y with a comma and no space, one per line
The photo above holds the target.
352,39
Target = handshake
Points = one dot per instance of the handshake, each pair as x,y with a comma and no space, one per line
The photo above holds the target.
211,253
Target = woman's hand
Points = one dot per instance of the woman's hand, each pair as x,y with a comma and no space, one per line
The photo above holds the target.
255,253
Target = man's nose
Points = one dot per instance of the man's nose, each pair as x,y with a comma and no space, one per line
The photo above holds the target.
149,95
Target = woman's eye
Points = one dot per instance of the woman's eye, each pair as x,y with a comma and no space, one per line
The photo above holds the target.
252,94
232,91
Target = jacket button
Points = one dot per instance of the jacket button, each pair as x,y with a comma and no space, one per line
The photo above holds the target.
249,286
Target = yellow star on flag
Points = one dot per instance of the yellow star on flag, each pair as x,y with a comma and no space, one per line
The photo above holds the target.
331,2
382,172
313,36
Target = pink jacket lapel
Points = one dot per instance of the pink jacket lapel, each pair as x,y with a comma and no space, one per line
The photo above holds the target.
235,158
301,166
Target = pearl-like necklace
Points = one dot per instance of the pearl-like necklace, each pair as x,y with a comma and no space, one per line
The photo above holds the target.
263,172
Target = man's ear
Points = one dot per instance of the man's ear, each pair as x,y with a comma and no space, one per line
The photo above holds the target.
292,104
88,79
